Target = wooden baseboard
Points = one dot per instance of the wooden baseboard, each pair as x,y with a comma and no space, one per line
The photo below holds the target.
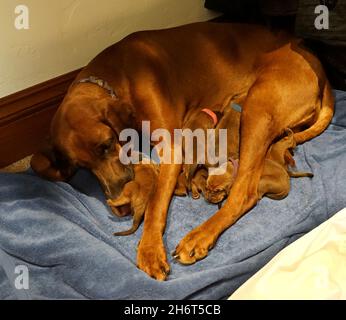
25,117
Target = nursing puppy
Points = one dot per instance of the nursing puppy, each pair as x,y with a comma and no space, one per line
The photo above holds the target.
198,184
275,179
220,116
202,120
218,184
193,177
223,116
137,194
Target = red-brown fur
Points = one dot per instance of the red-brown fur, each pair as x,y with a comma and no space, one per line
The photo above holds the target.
159,76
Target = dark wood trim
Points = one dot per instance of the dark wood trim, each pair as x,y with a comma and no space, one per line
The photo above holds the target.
25,117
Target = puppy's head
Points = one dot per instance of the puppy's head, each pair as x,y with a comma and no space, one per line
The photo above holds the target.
84,133
219,186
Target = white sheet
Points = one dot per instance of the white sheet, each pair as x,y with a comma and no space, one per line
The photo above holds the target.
313,267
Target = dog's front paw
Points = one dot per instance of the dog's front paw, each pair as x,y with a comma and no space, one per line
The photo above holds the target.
152,259
194,247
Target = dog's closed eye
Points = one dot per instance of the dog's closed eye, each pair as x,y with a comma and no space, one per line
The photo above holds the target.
106,147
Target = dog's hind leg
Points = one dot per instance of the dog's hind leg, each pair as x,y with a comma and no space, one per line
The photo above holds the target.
324,118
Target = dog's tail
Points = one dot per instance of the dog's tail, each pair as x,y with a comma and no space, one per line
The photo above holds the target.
324,118
136,223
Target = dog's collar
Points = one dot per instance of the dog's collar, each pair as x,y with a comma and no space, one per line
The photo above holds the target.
101,83
236,107
212,115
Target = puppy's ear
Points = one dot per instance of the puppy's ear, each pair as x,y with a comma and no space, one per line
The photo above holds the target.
119,116
47,165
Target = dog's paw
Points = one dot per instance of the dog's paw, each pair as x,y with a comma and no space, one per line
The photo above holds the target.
194,247
152,259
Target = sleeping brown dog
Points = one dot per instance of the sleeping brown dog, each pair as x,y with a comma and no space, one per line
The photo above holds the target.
275,179
159,76
137,194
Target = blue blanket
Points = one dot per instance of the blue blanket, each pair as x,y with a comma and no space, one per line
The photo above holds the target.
62,232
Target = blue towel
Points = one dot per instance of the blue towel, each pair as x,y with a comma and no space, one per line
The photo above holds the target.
63,232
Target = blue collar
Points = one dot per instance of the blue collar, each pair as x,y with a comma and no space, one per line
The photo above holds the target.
236,107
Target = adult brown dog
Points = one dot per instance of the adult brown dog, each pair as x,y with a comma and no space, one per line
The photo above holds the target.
159,76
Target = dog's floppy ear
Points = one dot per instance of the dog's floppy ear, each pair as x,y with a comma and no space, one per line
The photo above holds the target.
47,165
119,116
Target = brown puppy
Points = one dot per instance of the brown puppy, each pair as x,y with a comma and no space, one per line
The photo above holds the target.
188,180
218,186
137,194
219,183
200,120
158,76
197,186
181,189
225,116
198,183
275,179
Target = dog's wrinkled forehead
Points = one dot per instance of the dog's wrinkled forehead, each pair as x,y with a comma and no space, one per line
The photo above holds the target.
81,144
87,125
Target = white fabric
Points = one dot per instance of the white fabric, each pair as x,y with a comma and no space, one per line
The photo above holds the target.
313,267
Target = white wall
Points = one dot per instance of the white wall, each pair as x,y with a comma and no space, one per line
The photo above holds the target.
65,34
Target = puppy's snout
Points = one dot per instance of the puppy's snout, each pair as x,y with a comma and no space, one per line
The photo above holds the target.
113,190
215,196
121,211
113,179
